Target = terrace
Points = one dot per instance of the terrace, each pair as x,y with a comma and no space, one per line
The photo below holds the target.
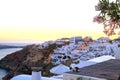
107,70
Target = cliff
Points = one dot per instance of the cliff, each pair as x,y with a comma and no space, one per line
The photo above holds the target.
21,61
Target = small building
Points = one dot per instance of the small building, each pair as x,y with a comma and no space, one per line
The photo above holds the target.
61,41
103,40
75,40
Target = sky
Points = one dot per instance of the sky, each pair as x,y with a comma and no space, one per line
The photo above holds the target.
41,20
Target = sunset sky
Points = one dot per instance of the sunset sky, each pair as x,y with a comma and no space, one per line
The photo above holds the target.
40,20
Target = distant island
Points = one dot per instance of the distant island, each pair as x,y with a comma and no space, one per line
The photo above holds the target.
7,46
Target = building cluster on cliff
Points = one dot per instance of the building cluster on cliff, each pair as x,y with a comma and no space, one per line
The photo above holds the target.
78,48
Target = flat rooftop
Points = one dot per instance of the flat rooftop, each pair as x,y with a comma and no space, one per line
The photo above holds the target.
109,70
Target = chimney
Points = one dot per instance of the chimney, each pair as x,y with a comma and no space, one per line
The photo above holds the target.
36,73
116,50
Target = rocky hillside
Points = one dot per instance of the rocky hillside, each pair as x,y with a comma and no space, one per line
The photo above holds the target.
21,61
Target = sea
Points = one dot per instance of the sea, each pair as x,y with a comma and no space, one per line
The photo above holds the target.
4,52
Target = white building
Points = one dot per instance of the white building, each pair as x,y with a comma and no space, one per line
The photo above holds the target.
61,41
75,40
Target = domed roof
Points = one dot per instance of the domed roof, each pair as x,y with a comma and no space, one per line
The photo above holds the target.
22,77
29,77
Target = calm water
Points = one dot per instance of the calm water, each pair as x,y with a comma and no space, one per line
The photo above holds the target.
4,52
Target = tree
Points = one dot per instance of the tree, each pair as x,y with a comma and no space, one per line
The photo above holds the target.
109,16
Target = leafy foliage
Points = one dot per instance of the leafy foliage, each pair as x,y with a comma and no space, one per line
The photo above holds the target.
109,15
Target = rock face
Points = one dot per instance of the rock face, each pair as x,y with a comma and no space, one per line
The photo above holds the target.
21,61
